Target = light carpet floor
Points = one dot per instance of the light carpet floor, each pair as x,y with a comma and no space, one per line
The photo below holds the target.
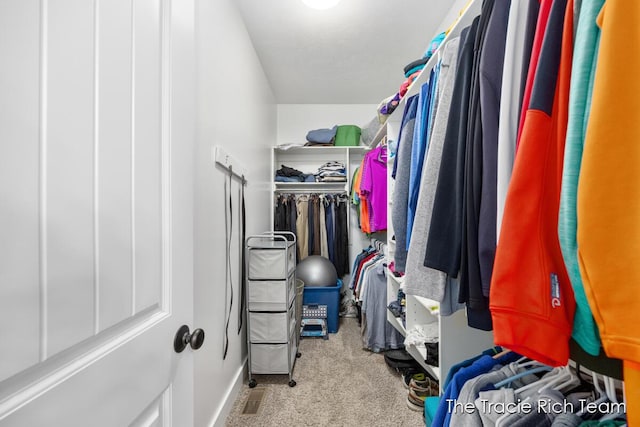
338,384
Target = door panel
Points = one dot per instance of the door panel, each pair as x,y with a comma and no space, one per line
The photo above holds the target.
67,173
19,187
115,146
82,395
146,157
153,416
97,206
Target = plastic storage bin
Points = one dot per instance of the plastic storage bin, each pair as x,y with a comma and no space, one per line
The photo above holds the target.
347,136
329,296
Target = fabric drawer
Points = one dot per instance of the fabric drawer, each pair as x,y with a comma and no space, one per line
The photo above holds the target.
272,358
270,295
269,327
271,263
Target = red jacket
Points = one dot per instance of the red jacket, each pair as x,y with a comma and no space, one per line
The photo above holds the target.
531,298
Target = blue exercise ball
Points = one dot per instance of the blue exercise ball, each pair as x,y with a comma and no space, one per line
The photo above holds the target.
316,270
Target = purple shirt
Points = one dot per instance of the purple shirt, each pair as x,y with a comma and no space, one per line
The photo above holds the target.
374,187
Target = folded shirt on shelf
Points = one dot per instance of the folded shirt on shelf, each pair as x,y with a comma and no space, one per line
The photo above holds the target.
288,174
332,171
322,136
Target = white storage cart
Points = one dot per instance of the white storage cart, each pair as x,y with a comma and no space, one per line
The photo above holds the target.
272,329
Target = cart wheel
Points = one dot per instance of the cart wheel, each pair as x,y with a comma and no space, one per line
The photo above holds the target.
292,383
298,355
253,383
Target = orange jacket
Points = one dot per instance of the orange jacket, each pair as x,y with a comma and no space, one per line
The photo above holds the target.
609,194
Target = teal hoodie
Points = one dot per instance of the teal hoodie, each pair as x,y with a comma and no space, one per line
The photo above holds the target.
585,331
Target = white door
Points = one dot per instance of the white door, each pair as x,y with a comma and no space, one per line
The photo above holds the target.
96,229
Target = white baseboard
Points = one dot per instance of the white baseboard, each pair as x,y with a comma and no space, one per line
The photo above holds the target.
230,398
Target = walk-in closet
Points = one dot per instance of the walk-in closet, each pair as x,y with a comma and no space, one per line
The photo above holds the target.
235,213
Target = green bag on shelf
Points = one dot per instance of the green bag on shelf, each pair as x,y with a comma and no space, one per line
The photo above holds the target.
347,136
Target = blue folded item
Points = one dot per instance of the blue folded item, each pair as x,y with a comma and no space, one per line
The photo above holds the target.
434,45
298,178
430,408
413,64
279,178
322,136
414,69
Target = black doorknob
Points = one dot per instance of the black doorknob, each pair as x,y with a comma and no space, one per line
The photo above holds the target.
183,337
197,339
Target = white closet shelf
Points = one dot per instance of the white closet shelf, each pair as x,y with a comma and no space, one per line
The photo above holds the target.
322,150
431,305
398,280
312,186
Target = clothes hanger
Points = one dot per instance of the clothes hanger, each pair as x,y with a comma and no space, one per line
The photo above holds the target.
566,379
554,372
512,378
610,390
549,377
602,396
504,352
523,362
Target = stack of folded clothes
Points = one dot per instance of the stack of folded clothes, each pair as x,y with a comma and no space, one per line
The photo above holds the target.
321,137
411,72
332,172
287,174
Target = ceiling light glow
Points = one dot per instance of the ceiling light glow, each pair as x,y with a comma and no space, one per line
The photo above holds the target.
321,4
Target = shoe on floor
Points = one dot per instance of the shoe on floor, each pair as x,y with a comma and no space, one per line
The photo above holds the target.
410,375
415,399
427,384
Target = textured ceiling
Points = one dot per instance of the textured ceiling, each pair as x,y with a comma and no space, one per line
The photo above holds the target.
352,54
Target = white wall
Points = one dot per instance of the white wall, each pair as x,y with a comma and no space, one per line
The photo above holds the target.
236,110
295,120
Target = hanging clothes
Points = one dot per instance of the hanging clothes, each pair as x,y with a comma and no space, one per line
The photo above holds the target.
329,211
532,301
324,244
478,315
585,331
420,280
302,227
369,284
491,69
341,236
541,26
319,222
445,234
520,33
363,213
401,189
608,204
420,145
315,203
